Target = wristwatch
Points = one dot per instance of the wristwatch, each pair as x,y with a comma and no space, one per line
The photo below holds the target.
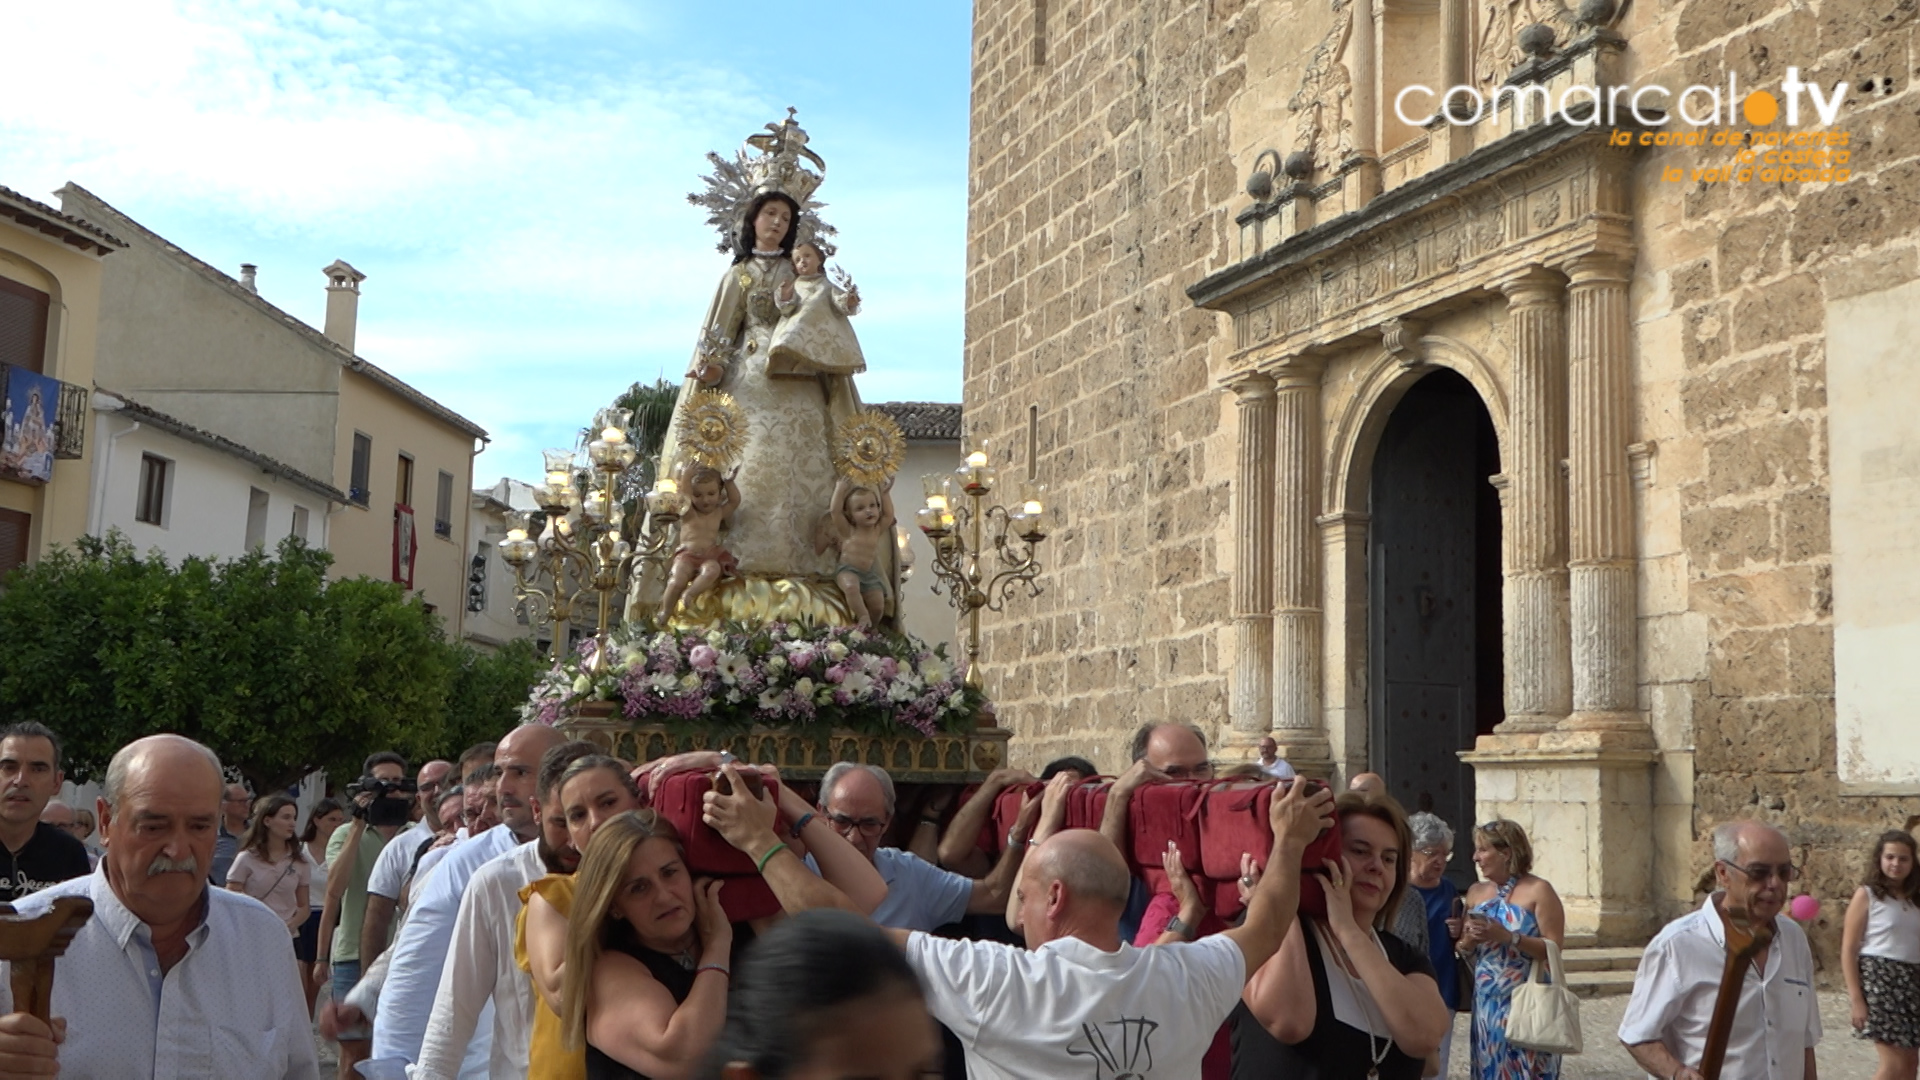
1178,925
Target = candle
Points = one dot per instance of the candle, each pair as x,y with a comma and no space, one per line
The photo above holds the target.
667,486
1032,508
977,459
613,435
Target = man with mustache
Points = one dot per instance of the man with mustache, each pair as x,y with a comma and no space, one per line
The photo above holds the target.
168,978
420,952
481,967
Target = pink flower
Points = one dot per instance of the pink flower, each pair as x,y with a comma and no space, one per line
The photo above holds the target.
889,667
837,673
703,657
803,659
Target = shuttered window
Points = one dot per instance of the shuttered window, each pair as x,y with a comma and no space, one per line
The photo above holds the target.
23,325
15,527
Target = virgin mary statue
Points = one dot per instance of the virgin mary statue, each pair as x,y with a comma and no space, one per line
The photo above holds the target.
762,203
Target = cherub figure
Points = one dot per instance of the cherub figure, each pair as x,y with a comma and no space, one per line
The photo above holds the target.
700,561
813,335
860,524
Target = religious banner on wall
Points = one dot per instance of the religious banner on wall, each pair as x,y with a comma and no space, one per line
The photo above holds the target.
406,544
27,424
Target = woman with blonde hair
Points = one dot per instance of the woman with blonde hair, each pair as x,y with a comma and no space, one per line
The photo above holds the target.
1511,917
649,950
272,866
1880,957
1374,1010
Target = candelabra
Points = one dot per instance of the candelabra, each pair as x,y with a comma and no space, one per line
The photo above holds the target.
957,526
588,553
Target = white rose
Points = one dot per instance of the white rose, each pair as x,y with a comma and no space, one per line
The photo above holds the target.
836,651
776,663
581,684
803,688
956,699
690,681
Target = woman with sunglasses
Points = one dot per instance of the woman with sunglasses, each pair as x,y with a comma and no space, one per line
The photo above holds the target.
1511,917
1880,956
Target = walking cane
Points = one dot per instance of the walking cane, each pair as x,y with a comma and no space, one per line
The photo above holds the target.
30,945
1744,942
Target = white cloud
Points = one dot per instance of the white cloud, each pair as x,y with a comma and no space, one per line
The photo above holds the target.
518,208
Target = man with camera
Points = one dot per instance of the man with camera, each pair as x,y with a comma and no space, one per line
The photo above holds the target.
382,801
396,860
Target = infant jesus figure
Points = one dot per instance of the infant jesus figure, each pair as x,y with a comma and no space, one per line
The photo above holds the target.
700,560
860,524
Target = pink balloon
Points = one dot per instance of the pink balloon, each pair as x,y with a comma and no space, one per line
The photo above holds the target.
1805,908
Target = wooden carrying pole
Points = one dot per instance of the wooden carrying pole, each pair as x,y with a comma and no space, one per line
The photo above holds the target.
29,945
1744,942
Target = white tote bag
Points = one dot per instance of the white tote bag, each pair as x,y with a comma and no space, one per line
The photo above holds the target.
1545,1017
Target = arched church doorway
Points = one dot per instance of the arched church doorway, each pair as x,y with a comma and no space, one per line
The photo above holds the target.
1433,562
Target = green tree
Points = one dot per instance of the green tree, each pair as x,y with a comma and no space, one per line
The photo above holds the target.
487,692
278,669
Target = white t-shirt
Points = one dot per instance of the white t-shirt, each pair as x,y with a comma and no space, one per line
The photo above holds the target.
1778,1018
1279,770
390,870
1068,1009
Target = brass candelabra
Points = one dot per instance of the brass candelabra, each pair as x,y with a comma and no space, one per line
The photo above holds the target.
957,523
576,545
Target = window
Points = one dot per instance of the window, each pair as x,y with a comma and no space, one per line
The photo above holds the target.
443,507
15,529
300,522
256,519
23,325
362,469
152,508
403,481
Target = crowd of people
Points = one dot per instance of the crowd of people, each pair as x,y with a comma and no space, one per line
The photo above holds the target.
538,909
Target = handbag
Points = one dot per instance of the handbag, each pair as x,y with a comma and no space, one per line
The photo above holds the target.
1543,1016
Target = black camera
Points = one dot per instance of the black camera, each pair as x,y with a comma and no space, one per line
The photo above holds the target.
390,798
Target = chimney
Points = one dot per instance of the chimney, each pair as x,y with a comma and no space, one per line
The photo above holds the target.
247,271
343,302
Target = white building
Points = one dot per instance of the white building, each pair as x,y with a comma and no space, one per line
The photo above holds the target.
167,484
491,618
932,429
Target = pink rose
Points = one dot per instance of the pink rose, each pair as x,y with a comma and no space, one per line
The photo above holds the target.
703,657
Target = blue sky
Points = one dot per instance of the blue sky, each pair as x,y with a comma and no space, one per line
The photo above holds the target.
510,174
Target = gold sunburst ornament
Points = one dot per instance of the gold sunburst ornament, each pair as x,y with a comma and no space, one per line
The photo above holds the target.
713,428
868,448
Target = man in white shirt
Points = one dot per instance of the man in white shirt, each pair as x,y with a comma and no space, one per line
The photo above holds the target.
419,955
1778,1019
168,978
480,964
390,870
1078,1001
1270,761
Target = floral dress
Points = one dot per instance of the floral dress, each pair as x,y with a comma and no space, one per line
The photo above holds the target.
1497,969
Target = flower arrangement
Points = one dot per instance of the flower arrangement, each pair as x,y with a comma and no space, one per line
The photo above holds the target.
786,675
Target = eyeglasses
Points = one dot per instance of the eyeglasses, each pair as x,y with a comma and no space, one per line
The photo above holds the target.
1758,873
867,826
1202,771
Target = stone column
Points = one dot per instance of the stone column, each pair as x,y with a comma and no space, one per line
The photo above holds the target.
1539,664
1251,703
1599,345
1453,44
1361,169
1296,599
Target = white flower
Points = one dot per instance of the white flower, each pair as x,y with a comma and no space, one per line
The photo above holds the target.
836,651
772,700
690,681
730,666
581,684
824,697
956,699
856,637
636,660
856,684
933,670
776,663
734,695
803,688
900,691
664,682
716,639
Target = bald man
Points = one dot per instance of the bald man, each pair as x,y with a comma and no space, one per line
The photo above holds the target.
1078,1001
420,952
168,978
1368,783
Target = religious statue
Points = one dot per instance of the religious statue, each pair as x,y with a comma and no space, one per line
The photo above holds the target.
860,527
761,202
701,559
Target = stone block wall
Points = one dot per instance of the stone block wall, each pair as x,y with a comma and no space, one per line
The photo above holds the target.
1100,179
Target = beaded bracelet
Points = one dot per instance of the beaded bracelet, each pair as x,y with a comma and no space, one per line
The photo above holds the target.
801,824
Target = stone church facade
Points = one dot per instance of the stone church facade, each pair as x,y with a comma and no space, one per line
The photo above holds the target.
1486,453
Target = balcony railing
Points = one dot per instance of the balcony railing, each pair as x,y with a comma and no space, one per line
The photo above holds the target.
46,421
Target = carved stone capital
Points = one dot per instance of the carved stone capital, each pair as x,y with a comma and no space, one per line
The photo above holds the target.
1298,371
1599,268
1536,286
1251,387
1401,338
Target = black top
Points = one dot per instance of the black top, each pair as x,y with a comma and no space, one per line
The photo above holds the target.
1334,1051
678,981
51,856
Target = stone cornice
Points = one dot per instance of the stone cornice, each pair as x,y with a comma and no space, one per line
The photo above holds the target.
1544,196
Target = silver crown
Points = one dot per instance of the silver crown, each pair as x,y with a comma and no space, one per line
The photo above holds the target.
773,160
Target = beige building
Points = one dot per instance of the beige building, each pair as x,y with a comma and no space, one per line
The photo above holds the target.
932,429
1552,477
50,269
188,341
